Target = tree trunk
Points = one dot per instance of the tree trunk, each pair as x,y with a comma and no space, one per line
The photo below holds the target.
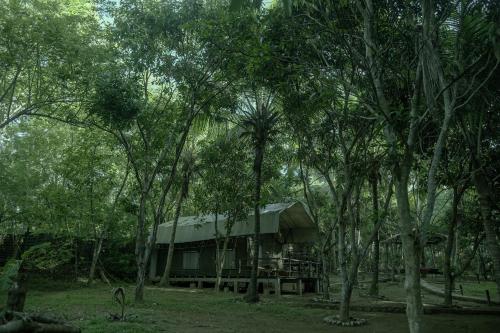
345,301
140,249
450,249
77,255
217,249
447,268
487,205
16,295
376,243
220,265
345,296
482,265
252,295
326,275
166,273
414,307
98,246
95,258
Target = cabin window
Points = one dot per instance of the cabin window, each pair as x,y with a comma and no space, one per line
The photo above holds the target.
190,260
229,259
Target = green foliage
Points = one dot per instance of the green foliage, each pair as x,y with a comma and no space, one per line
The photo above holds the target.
48,256
118,258
224,186
47,48
117,99
8,272
289,81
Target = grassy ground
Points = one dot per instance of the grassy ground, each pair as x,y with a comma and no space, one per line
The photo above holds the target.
470,286
193,310
477,289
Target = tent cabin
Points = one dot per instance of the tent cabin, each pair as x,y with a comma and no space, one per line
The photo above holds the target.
285,257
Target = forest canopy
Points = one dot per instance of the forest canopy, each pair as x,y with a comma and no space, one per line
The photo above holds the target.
381,118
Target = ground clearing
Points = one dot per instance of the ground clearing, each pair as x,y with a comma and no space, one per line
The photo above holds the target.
193,310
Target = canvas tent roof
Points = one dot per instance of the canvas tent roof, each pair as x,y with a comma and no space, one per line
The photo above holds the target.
292,216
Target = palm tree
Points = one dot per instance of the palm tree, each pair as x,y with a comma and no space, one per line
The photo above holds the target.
259,124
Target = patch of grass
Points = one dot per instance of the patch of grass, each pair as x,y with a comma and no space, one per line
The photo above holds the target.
478,289
196,311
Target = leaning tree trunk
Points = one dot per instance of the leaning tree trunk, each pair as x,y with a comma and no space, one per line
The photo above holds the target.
166,273
98,245
95,257
414,307
376,241
252,295
487,204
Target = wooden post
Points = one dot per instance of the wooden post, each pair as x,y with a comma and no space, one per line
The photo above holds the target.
265,288
488,299
386,256
299,287
200,284
277,287
152,264
461,290
235,287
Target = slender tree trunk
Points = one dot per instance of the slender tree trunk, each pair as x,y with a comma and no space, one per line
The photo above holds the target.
482,265
77,255
252,295
220,265
166,273
217,248
95,258
346,288
487,203
325,274
414,306
140,249
450,249
447,268
98,245
386,252
376,242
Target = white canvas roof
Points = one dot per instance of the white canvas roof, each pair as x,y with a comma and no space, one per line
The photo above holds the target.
292,216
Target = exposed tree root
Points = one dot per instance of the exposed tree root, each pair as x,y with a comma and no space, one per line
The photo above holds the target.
14,322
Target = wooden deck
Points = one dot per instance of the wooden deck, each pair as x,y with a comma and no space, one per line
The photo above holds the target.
274,285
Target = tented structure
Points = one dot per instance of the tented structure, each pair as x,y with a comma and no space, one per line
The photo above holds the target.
291,219
287,235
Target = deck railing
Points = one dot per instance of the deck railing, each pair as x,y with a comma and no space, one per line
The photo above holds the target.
268,267
289,267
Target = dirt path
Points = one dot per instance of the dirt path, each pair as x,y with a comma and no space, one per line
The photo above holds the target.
435,290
